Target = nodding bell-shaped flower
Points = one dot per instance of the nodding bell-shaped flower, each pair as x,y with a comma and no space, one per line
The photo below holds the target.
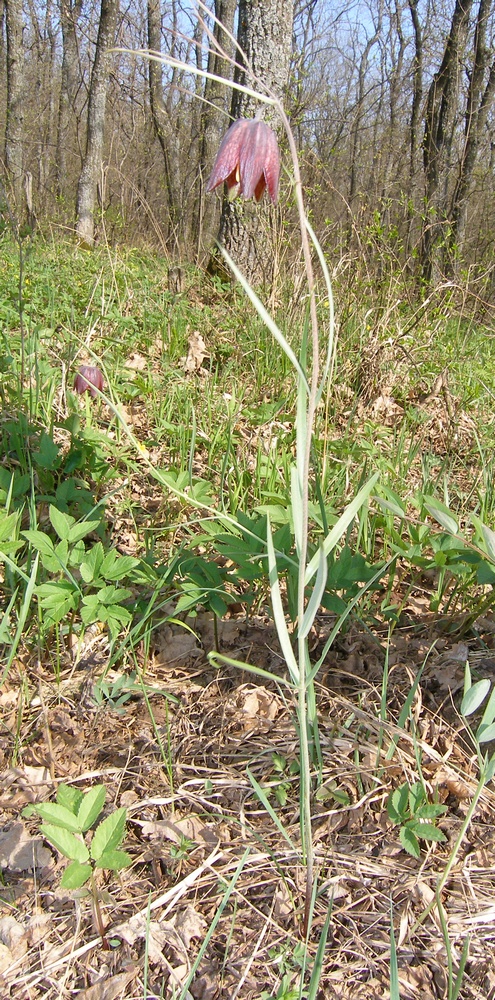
89,379
248,161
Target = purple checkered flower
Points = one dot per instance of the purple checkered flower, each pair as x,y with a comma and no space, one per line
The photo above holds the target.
248,161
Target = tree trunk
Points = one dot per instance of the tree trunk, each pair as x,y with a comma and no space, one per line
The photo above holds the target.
414,129
441,110
86,191
164,129
214,120
480,97
70,81
14,131
265,35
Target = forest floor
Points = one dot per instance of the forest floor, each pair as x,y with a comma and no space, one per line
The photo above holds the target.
205,760
180,768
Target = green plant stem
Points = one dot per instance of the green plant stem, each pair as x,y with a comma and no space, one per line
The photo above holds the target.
302,644
98,914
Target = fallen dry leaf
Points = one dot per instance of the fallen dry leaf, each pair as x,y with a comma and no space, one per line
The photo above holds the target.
13,944
20,852
196,352
191,827
108,988
189,924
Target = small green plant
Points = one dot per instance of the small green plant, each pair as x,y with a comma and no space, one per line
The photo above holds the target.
69,819
115,692
409,808
283,772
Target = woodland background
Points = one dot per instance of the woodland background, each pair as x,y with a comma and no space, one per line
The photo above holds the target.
391,104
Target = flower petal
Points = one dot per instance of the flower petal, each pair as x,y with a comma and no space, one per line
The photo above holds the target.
89,379
259,161
228,155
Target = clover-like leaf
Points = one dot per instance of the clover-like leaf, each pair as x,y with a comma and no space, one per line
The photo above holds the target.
59,815
69,797
409,841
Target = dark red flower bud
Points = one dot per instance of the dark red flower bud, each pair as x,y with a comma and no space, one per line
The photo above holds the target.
89,379
248,161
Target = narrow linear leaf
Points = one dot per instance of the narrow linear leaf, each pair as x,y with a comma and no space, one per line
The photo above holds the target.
217,658
269,808
316,596
394,968
278,611
340,527
265,316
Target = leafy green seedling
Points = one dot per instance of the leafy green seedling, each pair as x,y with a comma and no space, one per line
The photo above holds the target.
69,818
409,808
283,773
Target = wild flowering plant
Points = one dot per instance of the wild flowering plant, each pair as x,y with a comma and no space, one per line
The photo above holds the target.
248,161
89,379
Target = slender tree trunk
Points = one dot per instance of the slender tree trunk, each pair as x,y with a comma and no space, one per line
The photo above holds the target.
214,121
480,98
164,129
70,81
86,191
14,131
441,110
265,35
414,128
358,117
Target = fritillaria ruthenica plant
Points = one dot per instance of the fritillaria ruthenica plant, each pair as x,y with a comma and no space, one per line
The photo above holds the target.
89,379
248,161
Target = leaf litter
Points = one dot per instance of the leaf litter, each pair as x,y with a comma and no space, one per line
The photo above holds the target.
193,814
